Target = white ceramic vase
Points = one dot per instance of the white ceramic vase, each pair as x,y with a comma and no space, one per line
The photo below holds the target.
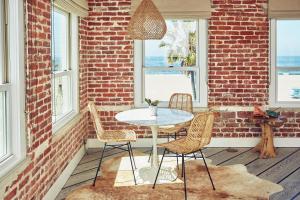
153,110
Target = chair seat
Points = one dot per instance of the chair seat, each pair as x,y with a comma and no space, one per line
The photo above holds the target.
118,136
173,128
180,146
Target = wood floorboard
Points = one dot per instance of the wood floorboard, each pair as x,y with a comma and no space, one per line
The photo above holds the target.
96,153
89,157
297,197
65,191
93,150
93,163
78,178
244,158
291,186
208,152
260,165
225,155
283,169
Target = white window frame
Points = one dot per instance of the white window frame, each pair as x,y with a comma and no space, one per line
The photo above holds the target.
273,102
72,72
200,69
15,87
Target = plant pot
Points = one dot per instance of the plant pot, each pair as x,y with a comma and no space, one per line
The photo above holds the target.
153,110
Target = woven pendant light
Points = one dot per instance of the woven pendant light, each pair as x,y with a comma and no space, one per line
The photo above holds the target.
147,23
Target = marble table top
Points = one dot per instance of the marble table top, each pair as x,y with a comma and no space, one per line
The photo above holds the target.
143,117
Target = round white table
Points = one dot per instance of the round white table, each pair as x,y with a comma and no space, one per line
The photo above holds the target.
143,117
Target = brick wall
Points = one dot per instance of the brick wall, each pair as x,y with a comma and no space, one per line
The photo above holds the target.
110,76
237,63
48,155
238,53
238,76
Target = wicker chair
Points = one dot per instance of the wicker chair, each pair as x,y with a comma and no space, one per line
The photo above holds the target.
198,136
123,137
181,101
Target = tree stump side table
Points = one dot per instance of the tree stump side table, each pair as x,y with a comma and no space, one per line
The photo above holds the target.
266,144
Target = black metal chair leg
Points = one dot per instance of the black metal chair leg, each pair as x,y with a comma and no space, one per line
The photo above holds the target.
212,183
177,162
132,155
182,168
159,169
195,156
99,164
128,145
184,179
175,136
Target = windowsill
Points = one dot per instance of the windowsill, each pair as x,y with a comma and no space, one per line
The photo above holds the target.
12,174
284,105
63,121
66,127
280,108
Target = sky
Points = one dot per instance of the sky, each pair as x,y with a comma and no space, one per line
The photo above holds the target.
152,50
60,36
288,38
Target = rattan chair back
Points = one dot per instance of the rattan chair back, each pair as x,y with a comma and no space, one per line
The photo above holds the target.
200,131
182,101
96,120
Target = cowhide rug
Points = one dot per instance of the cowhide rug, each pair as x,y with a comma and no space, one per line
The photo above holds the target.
231,182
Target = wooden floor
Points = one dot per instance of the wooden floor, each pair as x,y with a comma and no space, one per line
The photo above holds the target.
284,169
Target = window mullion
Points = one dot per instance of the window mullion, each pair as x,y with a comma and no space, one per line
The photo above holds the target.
170,68
5,87
288,68
57,74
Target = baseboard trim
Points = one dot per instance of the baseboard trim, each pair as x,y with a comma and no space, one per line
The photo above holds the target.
215,142
63,178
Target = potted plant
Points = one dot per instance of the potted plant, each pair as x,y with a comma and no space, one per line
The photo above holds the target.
152,106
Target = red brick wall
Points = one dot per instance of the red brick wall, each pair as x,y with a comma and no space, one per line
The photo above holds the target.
110,76
43,170
238,53
237,62
238,76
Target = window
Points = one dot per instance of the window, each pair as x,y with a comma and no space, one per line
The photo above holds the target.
12,135
285,63
3,87
176,63
64,67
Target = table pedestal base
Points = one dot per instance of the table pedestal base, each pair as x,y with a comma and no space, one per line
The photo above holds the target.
154,158
166,174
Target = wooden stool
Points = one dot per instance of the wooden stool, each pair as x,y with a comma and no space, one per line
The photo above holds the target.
266,144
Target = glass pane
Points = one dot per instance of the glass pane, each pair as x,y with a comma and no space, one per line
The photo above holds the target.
3,130
288,43
288,88
177,48
59,41
160,85
61,99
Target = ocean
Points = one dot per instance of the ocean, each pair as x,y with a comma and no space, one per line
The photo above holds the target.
160,61
288,61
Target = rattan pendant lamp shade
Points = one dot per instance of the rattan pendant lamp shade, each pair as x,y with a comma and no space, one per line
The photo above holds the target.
147,23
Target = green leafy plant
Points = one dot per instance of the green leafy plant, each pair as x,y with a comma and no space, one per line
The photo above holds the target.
151,103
